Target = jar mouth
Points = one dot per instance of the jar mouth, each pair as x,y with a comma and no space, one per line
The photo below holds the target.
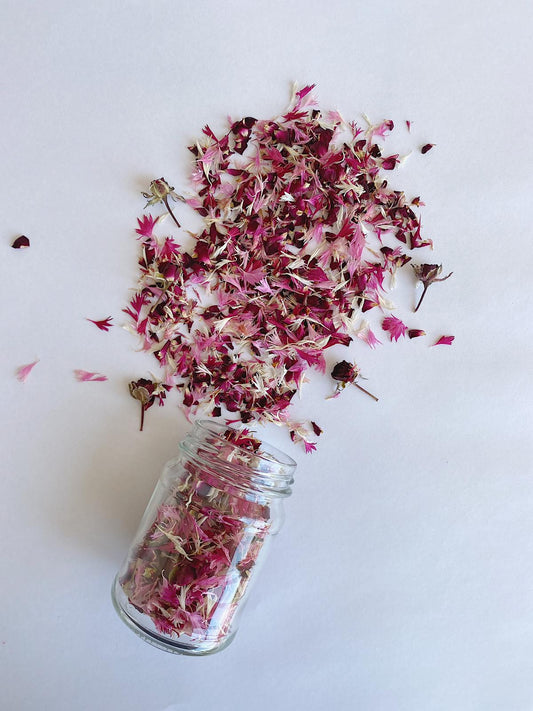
268,470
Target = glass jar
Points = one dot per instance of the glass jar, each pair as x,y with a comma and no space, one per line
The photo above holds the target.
202,537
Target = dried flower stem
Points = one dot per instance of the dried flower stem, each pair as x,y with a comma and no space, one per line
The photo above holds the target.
366,392
165,200
421,297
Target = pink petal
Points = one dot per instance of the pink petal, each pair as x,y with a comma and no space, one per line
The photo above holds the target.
444,341
394,326
84,376
24,370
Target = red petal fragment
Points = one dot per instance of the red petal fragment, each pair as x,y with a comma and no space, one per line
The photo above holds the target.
390,162
104,325
427,147
24,370
21,242
415,333
316,429
444,341
408,124
84,376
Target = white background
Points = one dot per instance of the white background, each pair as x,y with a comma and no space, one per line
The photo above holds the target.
403,579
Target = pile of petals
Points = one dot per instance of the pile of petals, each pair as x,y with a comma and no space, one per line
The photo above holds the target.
194,563
294,249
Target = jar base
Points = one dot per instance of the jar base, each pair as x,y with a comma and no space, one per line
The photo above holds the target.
163,643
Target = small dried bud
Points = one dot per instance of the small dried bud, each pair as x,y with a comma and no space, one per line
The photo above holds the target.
344,372
428,274
160,191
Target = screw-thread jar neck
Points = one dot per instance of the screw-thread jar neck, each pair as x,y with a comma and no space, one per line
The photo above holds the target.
267,471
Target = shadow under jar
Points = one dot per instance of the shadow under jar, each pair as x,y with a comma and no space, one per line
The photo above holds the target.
202,538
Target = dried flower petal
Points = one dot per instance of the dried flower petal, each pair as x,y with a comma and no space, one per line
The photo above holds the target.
21,242
394,326
24,370
85,376
444,341
415,333
427,147
103,325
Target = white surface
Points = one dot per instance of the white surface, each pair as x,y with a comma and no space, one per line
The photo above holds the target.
403,578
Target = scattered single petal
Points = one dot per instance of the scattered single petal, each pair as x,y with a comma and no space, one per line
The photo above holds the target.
427,147
21,242
316,429
415,333
104,325
444,341
396,328
85,376
408,124
390,162
24,370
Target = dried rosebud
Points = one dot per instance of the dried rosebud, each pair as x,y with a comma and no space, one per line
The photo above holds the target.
344,372
21,242
146,391
428,274
160,191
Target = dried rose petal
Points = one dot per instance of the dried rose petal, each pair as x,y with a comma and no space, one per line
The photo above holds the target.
21,242
427,147
415,333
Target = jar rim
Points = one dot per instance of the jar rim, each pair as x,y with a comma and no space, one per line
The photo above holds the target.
274,454
270,473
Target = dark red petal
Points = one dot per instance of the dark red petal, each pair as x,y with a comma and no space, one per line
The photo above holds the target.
21,242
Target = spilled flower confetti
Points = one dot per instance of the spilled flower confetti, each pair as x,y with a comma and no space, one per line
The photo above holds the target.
302,236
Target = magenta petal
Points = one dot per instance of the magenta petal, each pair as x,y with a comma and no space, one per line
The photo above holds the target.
104,325
394,326
444,341
24,370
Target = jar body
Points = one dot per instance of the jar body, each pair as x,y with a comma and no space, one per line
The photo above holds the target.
199,546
